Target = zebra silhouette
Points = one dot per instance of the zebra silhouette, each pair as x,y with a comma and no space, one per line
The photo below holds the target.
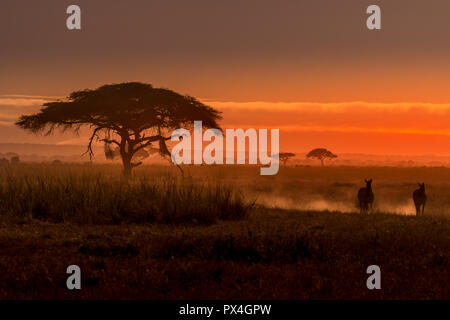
365,197
420,198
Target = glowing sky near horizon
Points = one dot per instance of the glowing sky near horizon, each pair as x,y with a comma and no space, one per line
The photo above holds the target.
308,67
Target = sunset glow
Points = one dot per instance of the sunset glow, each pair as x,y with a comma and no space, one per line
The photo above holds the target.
312,70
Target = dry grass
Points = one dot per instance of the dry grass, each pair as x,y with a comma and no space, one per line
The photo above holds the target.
245,254
94,195
335,188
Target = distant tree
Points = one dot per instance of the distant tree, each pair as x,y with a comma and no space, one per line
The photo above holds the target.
4,161
131,116
11,154
15,160
321,154
285,156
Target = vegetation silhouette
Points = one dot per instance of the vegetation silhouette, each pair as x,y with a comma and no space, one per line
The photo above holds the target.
321,154
15,160
365,197
420,198
285,156
130,115
114,153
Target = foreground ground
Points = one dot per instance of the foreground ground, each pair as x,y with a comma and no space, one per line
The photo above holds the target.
272,254
222,232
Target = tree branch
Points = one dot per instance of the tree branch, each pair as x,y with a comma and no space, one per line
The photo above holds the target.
142,146
91,139
155,138
110,141
134,165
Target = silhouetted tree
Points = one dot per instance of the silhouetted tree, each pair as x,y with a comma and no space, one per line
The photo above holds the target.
57,162
321,154
15,160
131,116
285,156
112,154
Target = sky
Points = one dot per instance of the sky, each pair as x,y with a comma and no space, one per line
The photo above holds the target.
308,67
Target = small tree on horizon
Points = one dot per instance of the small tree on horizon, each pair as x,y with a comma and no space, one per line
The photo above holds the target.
321,154
130,115
285,156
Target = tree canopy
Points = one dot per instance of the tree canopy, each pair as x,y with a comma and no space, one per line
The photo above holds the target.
321,154
285,156
130,115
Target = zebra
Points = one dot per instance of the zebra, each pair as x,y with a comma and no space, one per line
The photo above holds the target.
420,198
365,197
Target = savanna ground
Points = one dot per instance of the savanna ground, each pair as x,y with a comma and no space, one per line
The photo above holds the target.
221,233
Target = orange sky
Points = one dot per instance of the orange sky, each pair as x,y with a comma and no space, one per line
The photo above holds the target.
352,127
307,67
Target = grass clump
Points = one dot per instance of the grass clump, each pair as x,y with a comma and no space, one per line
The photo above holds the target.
87,196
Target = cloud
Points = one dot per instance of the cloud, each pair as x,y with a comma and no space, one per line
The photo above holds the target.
13,106
79,141
24,100
402,118
19,102
344,127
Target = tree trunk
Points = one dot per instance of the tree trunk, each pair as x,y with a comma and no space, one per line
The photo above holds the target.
126,155
126,161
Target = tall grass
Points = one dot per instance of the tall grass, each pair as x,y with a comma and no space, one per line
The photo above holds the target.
335,188
96,194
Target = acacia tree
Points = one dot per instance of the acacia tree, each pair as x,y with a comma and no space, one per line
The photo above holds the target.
285,156
114,153
130,115
321,154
